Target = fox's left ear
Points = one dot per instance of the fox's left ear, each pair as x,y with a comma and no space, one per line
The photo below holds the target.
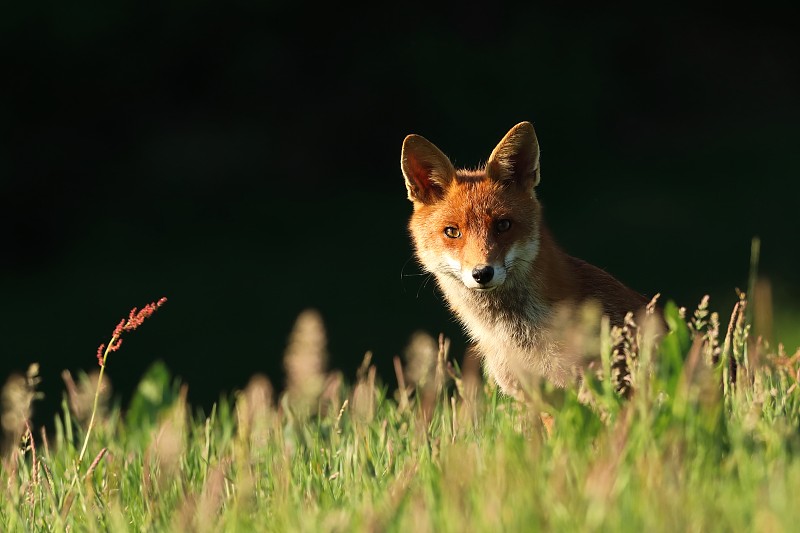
516,157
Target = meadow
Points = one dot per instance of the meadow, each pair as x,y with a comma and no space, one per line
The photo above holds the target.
688,427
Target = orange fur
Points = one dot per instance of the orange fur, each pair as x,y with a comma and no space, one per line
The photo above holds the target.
500,269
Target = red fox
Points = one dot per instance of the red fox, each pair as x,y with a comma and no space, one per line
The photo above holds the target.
481,234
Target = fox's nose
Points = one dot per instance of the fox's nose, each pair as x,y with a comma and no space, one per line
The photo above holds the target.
483,273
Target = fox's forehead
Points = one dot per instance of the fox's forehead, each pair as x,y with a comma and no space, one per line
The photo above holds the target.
475,197
473,194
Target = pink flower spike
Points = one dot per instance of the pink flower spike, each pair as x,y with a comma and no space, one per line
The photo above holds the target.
119,328
135,318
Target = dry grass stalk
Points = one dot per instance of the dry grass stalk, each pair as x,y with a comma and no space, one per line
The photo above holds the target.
255,411
738,346
16,401
711,336
211,499
305,361
420,356
624,351
441,363
729,347
601,479
363,395
34,482
163,455
183,518
330,400
699,321
576,329
401,395
470,388
471,376
80,396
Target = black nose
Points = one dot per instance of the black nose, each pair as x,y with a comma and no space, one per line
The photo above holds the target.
483,273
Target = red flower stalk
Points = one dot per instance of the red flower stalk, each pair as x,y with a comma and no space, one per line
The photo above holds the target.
134,320
118,329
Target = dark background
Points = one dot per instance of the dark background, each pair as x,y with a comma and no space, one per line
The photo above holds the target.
244,162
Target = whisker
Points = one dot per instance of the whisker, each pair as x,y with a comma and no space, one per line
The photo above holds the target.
403,275
424,284
402,269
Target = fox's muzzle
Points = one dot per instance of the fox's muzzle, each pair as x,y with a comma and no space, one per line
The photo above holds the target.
483,274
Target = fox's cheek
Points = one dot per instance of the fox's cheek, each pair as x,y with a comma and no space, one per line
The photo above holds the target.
452,262
452,253
526,251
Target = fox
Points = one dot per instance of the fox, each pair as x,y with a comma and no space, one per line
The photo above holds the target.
481,234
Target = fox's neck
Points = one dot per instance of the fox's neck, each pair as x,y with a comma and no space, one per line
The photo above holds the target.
551,273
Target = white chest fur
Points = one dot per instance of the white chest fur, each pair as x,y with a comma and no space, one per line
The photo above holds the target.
512,334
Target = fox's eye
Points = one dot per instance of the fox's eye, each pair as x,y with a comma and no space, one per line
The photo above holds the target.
452,232
503,225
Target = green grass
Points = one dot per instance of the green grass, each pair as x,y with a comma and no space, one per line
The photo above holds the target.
689,451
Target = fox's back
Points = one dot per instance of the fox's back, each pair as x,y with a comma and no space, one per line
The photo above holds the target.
596,284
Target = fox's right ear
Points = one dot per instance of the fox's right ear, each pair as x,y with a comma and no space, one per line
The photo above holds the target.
426,169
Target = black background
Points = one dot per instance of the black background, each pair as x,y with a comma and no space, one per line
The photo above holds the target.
243,160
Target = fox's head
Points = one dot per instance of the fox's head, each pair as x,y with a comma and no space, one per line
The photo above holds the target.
475,226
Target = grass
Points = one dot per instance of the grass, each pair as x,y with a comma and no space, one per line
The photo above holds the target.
707,440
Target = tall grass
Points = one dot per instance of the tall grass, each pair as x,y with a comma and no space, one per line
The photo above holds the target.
693,429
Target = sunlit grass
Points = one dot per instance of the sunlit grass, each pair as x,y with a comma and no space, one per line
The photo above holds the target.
708,440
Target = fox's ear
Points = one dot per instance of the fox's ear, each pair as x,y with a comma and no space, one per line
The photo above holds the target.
426,169
516,157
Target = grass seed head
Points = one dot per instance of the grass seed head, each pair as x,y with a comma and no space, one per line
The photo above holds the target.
363,396
16,400
255,411
305,360
420,355
80,395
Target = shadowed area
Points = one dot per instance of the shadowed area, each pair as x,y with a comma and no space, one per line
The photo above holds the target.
243,161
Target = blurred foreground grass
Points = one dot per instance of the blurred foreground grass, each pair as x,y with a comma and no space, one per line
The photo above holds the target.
708,439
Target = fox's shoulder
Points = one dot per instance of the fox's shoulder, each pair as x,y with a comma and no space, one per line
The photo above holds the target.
595,283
